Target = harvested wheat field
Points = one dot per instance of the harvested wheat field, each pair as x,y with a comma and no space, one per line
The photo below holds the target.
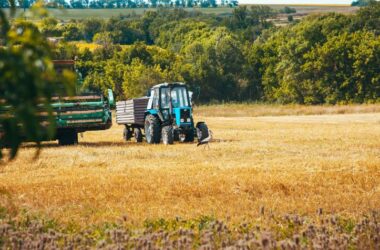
272,165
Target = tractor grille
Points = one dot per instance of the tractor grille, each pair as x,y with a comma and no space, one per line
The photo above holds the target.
185,114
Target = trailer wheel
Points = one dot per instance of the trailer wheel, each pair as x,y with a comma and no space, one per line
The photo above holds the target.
138,134
167,135
127,133
67,137
152,129
202,131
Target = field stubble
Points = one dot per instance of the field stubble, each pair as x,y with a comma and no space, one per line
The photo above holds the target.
287,164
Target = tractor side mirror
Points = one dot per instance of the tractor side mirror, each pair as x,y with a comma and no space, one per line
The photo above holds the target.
191,93
111,99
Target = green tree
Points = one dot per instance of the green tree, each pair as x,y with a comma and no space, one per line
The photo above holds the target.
63,51
138,50
215,63
282,56
249,23
288,10
104,53
361,2
368,18
138,78
115,70
344,69
71,32
103,38
49,27
90,27
97,81
27,82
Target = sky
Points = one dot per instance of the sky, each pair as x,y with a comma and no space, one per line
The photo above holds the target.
295,1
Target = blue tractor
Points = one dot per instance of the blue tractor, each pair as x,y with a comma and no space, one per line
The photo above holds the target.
169,115
166,115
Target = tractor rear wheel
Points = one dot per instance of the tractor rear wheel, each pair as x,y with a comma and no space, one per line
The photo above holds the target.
167,135
138,134
176,136
67,137
202,131
152,129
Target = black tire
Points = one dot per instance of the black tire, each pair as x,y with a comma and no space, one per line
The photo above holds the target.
138,134
176,135
202,131
152,129
167,135
67,137
127,133
189,136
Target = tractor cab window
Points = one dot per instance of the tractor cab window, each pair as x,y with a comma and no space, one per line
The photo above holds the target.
179,97
155,98
165,98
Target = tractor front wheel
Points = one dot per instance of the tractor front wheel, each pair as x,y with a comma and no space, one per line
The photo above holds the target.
189,136
152,129
167,135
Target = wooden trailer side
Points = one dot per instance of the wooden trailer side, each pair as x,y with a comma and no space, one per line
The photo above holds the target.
131,111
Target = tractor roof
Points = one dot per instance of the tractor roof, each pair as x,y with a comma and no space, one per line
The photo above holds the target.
166,84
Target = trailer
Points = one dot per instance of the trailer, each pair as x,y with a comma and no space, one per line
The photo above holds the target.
131,114
166,115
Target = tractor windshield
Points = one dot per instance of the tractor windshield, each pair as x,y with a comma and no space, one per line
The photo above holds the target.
178,96
165,98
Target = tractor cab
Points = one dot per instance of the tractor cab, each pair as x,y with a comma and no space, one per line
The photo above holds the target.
169,114
171,102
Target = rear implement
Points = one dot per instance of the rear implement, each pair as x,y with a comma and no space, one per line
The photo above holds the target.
88,110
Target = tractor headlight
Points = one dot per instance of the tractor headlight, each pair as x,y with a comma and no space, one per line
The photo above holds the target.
182,120
188,120
165,114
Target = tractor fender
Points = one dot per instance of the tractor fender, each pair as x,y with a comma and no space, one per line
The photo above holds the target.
199,123
155,113
151,112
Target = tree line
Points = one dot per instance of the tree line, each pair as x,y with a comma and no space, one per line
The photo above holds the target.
100,4
361,3
330,58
